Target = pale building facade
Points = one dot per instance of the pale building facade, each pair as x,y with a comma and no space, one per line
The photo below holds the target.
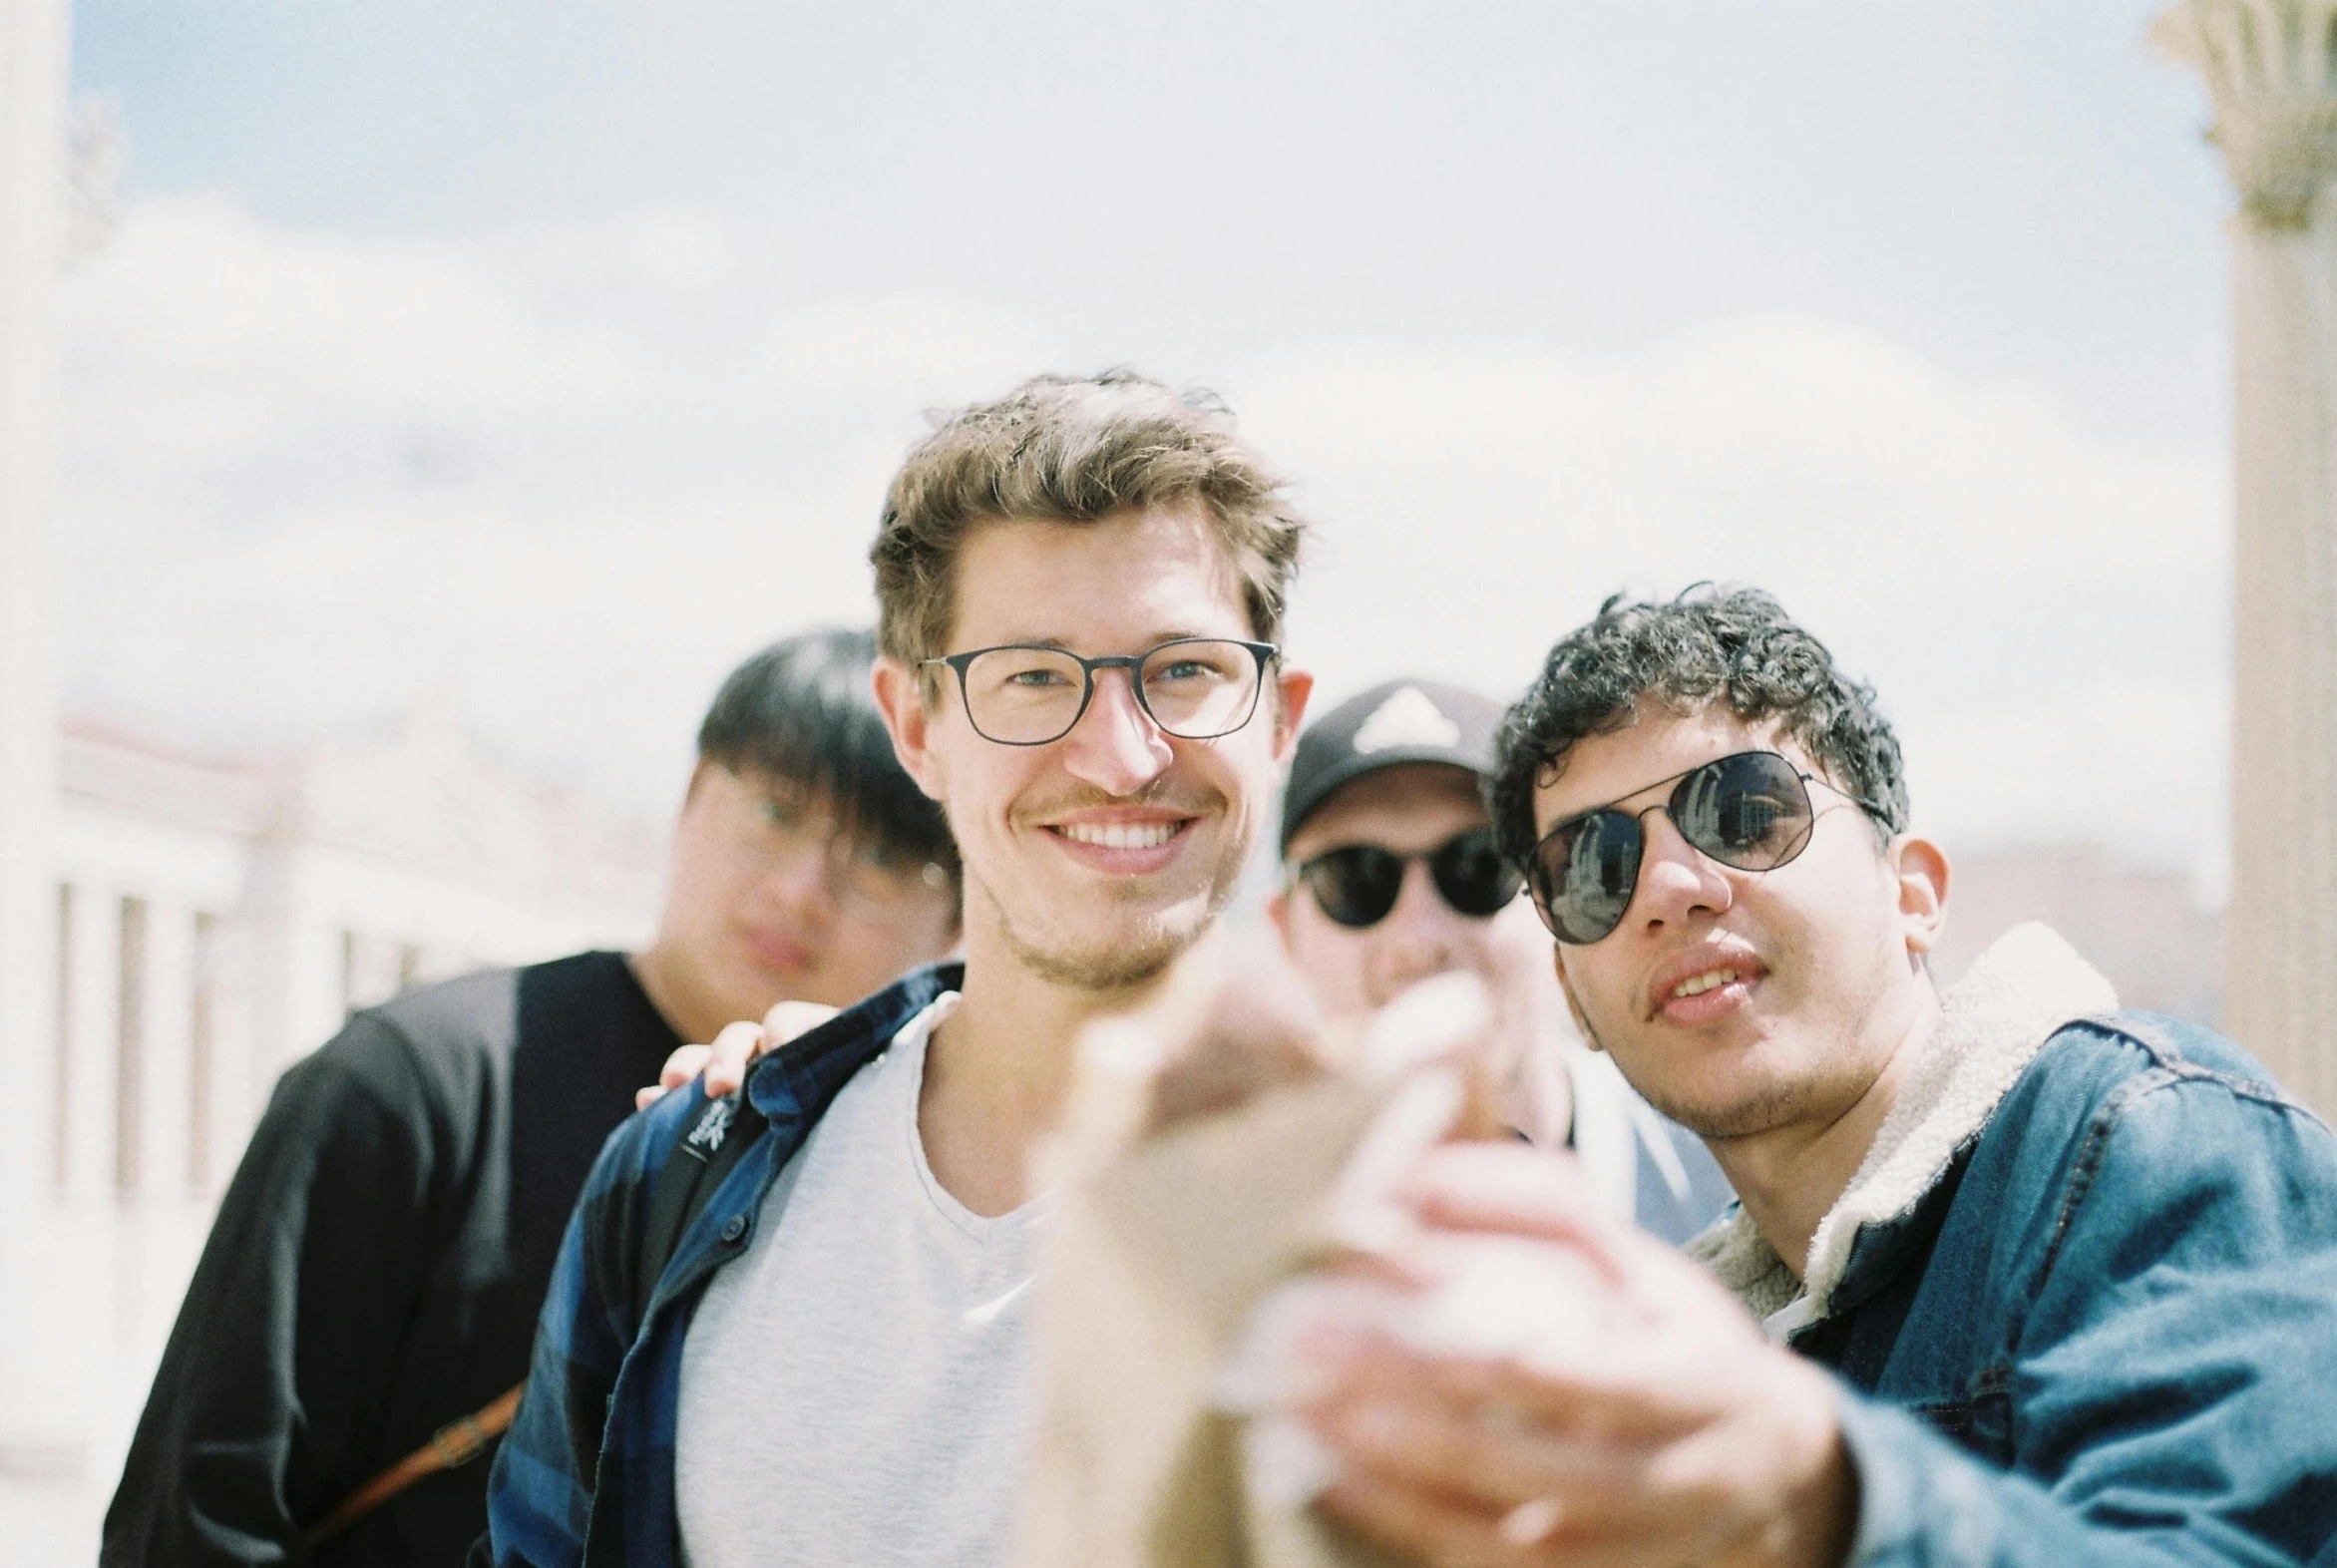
174,929
2146,928
210,921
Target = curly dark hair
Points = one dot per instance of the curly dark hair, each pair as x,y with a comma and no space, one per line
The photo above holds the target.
1712,644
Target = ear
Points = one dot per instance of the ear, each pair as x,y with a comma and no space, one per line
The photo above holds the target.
1292,688
1582,1025
899,696
1921,869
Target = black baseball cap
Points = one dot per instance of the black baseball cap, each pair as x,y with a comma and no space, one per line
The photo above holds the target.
1393,723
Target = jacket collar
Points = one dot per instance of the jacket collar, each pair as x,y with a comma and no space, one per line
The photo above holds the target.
802,1077
1991,1025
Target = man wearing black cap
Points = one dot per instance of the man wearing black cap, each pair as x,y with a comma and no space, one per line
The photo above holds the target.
1390,875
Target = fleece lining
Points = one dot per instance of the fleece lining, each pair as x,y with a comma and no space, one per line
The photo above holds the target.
1991,1025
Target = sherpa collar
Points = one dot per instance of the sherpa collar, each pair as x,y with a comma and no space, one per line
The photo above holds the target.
1991,1025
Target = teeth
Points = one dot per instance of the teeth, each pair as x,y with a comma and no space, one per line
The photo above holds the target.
1115,835
1699,985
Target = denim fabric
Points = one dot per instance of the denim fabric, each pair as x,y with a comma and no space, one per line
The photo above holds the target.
585,1474
2109,1333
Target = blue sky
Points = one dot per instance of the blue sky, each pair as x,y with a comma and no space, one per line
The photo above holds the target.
589,332
2013,190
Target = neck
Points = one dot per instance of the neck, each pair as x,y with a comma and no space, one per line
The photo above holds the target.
1790,1176
1000,1069
667,985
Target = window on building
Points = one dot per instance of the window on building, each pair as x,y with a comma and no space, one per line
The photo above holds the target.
129,1049
63,1084
203,1038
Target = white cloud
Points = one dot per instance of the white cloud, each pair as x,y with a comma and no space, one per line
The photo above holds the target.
2042,610
570,476
901,344
196,306
686,252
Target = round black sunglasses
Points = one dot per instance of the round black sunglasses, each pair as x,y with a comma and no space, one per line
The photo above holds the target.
1357,885
1750,810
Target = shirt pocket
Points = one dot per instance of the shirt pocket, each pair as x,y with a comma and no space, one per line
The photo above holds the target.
1980,1420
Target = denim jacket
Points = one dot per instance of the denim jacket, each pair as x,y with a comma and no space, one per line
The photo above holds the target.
585,1474
2082,1292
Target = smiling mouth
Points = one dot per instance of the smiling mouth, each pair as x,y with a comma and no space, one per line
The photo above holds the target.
1122,835
1721,981
1710,979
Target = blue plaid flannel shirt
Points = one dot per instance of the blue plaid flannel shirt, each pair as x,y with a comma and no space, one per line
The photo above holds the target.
585,1474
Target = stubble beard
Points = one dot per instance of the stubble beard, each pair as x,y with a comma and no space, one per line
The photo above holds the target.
1772,1107
1764,1109
1123,960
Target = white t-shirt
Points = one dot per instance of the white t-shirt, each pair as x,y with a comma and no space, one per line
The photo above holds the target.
855,1391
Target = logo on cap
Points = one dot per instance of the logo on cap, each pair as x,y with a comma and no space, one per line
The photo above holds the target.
1406,718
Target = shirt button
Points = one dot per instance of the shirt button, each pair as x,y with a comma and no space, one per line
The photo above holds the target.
734,1227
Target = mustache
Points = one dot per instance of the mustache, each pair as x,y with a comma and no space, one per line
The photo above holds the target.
1161,794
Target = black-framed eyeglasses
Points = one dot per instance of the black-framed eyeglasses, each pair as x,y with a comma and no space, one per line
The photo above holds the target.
1750,810
1027,695
1357,885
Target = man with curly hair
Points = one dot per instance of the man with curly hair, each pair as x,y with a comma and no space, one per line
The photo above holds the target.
2016,1277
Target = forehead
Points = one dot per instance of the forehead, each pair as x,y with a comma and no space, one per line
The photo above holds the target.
1413,806
1116,585
1656,744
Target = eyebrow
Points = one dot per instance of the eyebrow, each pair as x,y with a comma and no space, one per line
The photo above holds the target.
1142,644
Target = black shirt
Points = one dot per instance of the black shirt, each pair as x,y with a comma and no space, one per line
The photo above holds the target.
377,1266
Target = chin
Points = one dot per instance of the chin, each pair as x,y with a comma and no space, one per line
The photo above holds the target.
1137,951
1754,1109
752,1001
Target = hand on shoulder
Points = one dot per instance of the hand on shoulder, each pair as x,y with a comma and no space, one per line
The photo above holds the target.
724,1062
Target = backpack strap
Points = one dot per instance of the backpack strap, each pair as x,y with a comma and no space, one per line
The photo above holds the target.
720,1134
455,1445
711,1144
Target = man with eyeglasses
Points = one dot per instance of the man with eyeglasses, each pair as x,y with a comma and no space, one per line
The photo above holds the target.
2017,1278
823,1357
1391,876
379,1260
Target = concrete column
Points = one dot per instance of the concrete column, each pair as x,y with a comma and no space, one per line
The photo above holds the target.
2271,71
35,1433
91,1003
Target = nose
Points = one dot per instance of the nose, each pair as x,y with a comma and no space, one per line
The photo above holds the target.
801,878
1675,880
1420,937
1115,746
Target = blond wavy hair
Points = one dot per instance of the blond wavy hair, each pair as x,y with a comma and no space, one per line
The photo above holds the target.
1075,449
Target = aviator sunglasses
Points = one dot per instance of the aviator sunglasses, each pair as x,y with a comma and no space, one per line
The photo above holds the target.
1750,810
1358,884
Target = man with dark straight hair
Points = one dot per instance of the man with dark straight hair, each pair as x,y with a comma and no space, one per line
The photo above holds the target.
2042,1282
378,1262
